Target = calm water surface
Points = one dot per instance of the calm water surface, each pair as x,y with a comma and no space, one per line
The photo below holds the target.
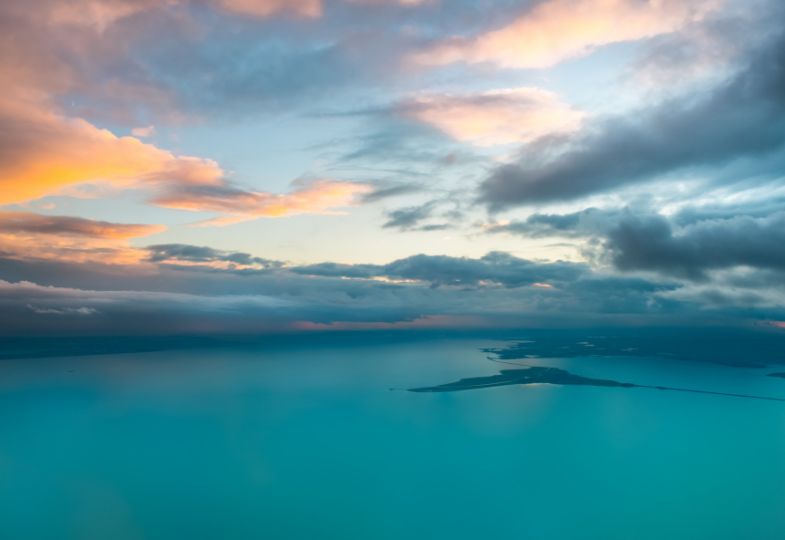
323,442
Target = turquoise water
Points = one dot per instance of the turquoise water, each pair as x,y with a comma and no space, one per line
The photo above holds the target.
311,442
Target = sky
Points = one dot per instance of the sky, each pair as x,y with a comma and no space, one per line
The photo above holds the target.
243,166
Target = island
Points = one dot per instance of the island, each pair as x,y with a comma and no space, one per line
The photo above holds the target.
556,376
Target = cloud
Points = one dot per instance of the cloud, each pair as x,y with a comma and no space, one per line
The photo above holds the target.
707,49
313,197
411,218
301,8
266,8
42,149
338,270
494,269
29,308
24,235
498,290
381,192
651,243
586,222
185,255
97,14
63,311
42,152
100,14
557,30
30,223
514,115
407,3
145,131
735,246
742,117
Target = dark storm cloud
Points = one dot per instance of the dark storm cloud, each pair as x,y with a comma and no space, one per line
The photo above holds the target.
651,243
743,117
688,244
760,208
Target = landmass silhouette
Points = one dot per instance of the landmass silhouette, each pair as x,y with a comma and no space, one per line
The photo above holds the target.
551,375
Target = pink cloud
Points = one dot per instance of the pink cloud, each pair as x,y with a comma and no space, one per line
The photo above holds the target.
25,236
143,131
267,8
99,14
515,115
557,30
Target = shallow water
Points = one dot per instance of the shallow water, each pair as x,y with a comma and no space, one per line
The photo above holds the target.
324,442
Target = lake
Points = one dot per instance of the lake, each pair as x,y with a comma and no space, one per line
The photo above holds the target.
308,440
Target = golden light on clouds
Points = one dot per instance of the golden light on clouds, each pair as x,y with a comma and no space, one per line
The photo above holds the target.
56,152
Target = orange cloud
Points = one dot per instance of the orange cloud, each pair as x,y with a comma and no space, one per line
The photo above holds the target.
25,235
514,115
45,152
557,30
316,197
42,150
